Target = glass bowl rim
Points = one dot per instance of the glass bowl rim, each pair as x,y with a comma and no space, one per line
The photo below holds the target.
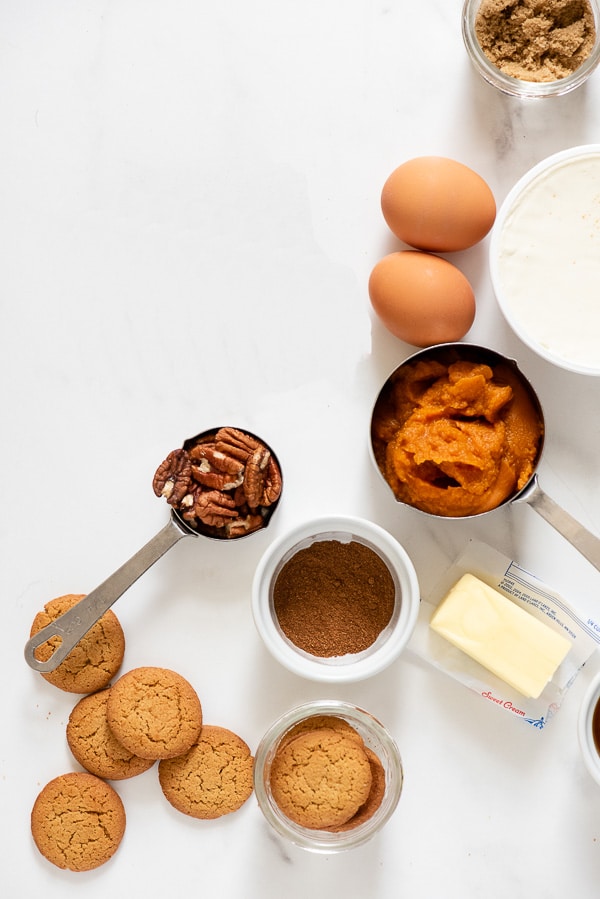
321,841
517,87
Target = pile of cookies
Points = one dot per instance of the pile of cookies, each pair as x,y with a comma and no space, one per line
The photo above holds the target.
324,777
118,731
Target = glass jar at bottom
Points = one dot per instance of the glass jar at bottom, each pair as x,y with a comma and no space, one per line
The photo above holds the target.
376,739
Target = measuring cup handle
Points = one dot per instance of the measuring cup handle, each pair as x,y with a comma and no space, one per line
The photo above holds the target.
73,624
571,529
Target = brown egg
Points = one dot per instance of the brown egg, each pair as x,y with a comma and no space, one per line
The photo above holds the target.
421,298
437,204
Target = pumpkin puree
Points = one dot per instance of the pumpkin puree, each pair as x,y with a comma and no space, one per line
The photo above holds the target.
456,439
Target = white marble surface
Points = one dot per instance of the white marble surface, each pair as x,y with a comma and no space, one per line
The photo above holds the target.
189,212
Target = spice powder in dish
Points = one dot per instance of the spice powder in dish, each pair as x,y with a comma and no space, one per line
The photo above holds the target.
333,598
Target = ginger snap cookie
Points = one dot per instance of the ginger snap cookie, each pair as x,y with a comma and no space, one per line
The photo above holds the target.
213,778
78,821
321,778
374,799
94,745
315,721
90,665
378,781
155,713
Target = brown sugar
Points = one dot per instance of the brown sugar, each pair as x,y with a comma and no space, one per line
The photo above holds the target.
536,40
334,598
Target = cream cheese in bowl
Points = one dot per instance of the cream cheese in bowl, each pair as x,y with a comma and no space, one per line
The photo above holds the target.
545,259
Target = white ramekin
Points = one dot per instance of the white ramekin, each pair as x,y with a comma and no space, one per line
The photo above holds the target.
390,642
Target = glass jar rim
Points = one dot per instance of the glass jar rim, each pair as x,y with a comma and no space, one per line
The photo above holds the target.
516,87
370,728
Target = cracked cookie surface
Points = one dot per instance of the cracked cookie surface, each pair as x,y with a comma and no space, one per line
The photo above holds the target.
78,821
213,778
321,778
316,721
94,661
154,712
95,746
373,800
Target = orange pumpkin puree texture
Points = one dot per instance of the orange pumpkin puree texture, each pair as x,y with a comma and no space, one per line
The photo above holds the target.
455,439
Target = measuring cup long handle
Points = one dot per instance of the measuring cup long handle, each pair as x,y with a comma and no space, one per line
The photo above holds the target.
73,624
571,529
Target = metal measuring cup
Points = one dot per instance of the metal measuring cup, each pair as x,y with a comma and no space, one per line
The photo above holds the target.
73,624
531,492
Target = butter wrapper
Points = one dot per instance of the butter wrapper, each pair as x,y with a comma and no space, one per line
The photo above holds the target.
530,594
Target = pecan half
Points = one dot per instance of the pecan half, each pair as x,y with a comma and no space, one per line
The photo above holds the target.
262,479
272,484
187,505
235,443
244,525
214,508
172,477
214,468
255,474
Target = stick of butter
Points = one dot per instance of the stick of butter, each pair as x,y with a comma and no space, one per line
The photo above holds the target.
500,635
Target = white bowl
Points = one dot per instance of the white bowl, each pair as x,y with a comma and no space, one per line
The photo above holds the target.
390,642
545,259
591,755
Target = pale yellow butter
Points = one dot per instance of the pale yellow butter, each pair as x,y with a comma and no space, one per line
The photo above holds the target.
500,635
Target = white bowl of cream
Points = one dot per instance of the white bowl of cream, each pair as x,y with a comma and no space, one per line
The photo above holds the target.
545,259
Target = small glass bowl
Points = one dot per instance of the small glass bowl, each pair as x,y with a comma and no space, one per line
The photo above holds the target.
587,745
517,87
375,737
351,666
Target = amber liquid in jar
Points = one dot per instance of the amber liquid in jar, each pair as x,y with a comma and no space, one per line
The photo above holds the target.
596,727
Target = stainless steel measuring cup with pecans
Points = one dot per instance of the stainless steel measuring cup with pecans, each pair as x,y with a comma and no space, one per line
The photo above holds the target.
224,483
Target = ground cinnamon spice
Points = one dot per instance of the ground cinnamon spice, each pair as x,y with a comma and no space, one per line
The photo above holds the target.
536,40
334,598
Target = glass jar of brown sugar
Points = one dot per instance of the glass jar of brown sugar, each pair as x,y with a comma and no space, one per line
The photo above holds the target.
528,54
